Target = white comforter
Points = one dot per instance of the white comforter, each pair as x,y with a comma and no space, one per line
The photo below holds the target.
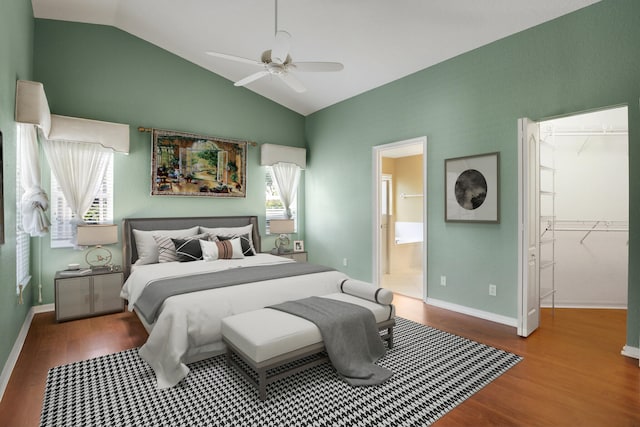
188,325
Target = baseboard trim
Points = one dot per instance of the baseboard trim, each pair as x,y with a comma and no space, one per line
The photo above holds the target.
629,351
44,308
7,370
592,306
486,315
15,352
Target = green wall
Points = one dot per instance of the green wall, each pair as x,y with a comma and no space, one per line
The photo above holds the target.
16,62
470,105
467,105
102,73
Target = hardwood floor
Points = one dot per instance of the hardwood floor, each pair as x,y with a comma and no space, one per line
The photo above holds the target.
572,373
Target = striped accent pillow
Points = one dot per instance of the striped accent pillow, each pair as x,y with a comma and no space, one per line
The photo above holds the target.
245,242
227,249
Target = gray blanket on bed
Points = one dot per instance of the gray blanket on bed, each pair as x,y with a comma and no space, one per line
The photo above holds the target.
157,291
350,336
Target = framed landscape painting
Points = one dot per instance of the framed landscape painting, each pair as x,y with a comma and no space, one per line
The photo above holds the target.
185,164
472,192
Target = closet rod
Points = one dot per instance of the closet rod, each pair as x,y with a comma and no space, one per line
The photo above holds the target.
600,221
586,229
590,133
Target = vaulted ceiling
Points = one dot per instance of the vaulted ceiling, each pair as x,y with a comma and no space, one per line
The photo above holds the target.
377,41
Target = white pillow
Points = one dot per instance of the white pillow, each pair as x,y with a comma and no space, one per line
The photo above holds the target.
211,251
146,244
232,232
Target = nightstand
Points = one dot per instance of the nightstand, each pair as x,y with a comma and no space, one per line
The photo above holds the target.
88,294
298,256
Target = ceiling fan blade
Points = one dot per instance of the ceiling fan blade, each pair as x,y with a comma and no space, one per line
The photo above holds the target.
281,47
251,78
317,66
234,58
292,82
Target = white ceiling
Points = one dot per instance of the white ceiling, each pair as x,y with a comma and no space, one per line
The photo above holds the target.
378,41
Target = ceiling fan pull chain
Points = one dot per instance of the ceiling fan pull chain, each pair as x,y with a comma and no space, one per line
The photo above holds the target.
276,31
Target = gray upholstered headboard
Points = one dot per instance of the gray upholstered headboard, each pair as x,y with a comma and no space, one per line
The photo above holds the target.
130,253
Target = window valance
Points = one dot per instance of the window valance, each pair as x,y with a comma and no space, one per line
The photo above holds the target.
270,154
32,108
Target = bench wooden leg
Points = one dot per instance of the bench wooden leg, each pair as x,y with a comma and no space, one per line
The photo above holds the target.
390,340
262,384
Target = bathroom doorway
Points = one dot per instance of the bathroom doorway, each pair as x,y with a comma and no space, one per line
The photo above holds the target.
400,221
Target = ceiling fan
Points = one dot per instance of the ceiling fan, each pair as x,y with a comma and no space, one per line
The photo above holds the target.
278,62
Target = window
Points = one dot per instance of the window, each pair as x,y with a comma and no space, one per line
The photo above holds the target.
23,274
100,212
273,205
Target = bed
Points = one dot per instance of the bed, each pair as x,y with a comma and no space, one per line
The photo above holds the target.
186,327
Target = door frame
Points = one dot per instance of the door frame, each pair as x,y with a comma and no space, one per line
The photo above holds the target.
377,154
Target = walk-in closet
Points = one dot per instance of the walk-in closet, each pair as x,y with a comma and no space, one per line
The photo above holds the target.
584,210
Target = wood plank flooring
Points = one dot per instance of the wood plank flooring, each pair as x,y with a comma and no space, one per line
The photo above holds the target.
572,373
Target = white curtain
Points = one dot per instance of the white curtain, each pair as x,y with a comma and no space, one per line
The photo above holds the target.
79,169
34,200
286,177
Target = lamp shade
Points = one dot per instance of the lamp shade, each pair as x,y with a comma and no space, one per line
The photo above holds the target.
103,234
281,226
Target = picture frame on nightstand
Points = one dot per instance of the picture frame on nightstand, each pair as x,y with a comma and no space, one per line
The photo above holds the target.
298,246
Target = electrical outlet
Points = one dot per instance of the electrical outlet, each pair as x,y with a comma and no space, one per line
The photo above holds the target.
345,262
443,280
492,290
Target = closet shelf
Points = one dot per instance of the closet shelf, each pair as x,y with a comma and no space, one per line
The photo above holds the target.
590,226
546,292
546,264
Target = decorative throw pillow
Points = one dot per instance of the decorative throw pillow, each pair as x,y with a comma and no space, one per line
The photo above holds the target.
245,242
166,248
232,232
227,249
188,250
147,247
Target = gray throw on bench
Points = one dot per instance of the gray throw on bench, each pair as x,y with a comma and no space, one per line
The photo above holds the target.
350,336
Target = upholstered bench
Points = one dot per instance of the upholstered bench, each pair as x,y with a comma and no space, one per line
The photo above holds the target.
266,339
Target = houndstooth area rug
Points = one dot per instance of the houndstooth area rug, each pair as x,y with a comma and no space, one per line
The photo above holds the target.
433,372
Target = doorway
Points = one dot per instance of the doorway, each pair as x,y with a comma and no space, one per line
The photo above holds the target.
399,235
574,203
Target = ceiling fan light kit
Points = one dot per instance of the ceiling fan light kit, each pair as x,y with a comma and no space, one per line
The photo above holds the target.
278,62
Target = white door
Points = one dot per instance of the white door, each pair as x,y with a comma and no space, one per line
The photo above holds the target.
529,227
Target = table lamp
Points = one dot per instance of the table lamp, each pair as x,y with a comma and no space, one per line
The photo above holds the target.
98,235
284,227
